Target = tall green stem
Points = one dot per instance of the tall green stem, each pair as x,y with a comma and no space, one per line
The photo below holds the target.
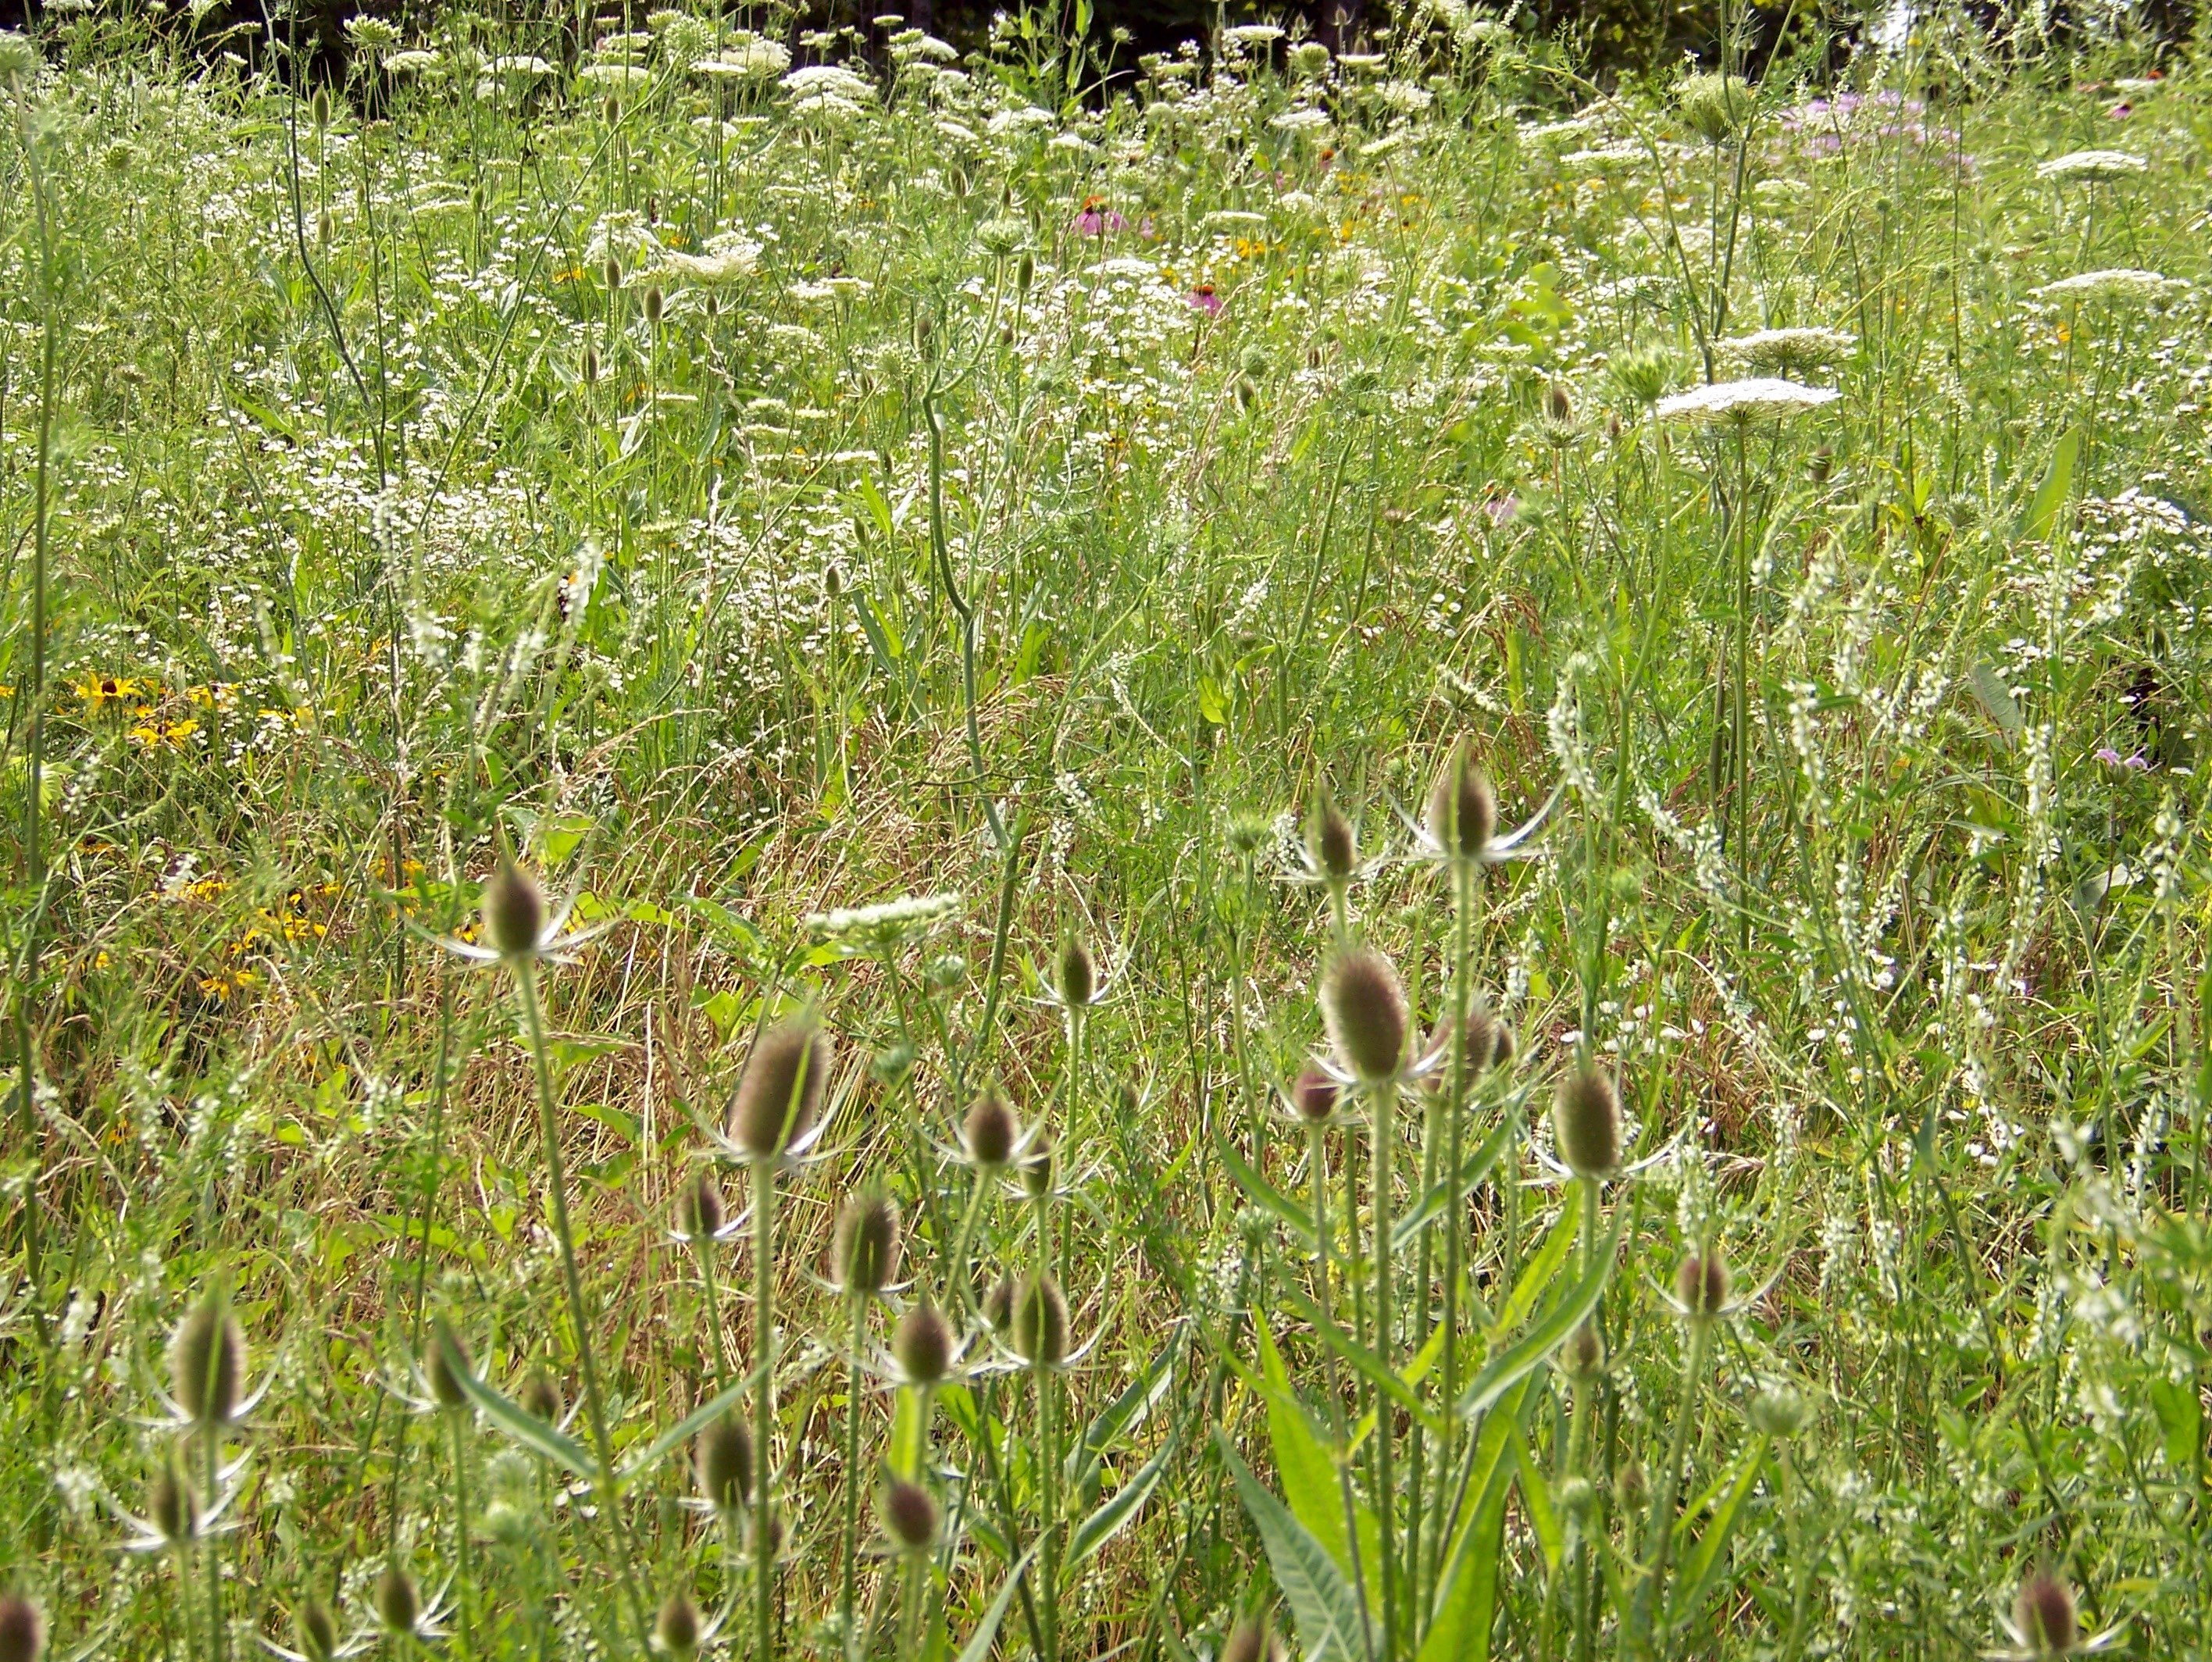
849,1586
763,1408
466,1597
1384,1106
1636,1637
1317,1176
211,1455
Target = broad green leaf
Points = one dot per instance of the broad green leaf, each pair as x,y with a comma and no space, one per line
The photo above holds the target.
1516,1361
519,1422
909,1425
1121,1416
2051,494
1102,1524
1321,1604
1466,1591
1306,1468
2180,1421
978,1648
1700,1563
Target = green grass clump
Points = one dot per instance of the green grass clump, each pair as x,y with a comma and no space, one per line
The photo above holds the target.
1462,818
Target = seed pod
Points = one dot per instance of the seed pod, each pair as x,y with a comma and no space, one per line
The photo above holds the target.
171,1506
542,1397
1575,1496
1478,1043
1075,976
867,1245
444,1361
921,1344
781,1091
1462,812
399,1605
1039,1322
1314,1095
1583,1354
513,910
1363,1007
1036,1164
699,1210
725,1463
613,272
207,1362
317,1629
990,1130
998,1304
319,107
1586,1123
1252,1640
654,302
1702,1283
22,1629
1559,405
590,366
2044,1614
1331,843
909,1515
614,111
1780,1412
676,1628
1024,272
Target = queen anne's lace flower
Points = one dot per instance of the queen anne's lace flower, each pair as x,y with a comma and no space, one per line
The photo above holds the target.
1761,398
2093,164
2120,283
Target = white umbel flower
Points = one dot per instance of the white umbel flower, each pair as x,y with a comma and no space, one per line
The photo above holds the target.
1761,398
1778,348
2122,283
2093,164
726,257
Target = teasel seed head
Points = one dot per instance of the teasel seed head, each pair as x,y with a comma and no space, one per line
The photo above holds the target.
990,1131
541,1395
868,1244
1363,1007
1702,1284
653,303
590,366
1462,812
22,1629
1583,1354
317,1630
1478,1043
1313,1094
725,1463
699,1209
2043,1612
207,1362
909,1515
399,1605
781,1092
1331,843
1586,1123
1039,1322
1024,272
613,273
513,910
319,108
998,1304
921,1344
1075,975
677,1630
1574,1495
1780,1411
1252,1640
444,1359
1036,1164
171,1506
1504,1046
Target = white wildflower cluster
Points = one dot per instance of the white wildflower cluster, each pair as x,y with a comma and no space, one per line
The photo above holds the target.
1759,398
2093,165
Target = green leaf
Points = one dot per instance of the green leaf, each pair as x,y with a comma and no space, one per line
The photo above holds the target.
519,1422
1996,699
1121,1416
1304,1465
2180,1421
686,1429
1101,1525
1701,1563
1321,1599
1521,1358
2051,494
1543,1516
978,1648
1265,1193
1369,1366
1543,1266
1466,1591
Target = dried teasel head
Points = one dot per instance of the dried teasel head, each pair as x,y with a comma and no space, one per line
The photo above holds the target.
868,1244
445,1359
1586,1123
1463,810
998,1304
1701,1284
909,1515
1075,975
2044,1614
725,1459
171,1506
700,1213
207,1362
22,1629
513,910
990,1132
1478,1043
316,1628
779,1096
921,1344
678,1630
1037,1164
399,1603
1313,1095
1331,844
1363,1005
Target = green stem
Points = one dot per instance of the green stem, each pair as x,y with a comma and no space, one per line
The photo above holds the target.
1636,1638
211,1455
1316,1146
465,1598
763,1408
705,1249
849,1586
1384,1093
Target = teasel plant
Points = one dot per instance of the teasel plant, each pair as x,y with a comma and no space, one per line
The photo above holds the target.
866,1256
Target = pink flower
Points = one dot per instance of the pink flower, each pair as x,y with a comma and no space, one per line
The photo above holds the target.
1203,299
1096,218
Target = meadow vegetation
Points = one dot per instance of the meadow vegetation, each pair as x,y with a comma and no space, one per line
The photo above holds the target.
869,855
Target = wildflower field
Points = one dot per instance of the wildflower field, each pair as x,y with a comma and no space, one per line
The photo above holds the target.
823,848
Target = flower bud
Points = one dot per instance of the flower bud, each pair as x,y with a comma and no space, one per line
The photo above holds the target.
1313,1094
676,1628
1780,1412
1574,1495
1036,1164
590,366
1478,1043
990,1131
444,1362
653,303
699,1210
614,273
1586,1123
171,1506
909,1515
317,1630
1701,1284
22,1629
1075,975
921,1344
207,1362
2044,1614
781,1091
513,910
542,1397
1462,813
1364,1008
1331,843
998,1304
725,1463
1252,1640
398,1605
1039,1322
867,1245
1583,1354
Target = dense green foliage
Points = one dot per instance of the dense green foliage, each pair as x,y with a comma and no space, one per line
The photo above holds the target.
1067,596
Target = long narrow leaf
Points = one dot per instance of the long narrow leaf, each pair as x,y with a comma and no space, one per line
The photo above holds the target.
1518,1360
978,1648
1537,1276
519,1423
1444,1195
1102,1524
1321,1600
1265,1193
1467,1596
1703,1560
